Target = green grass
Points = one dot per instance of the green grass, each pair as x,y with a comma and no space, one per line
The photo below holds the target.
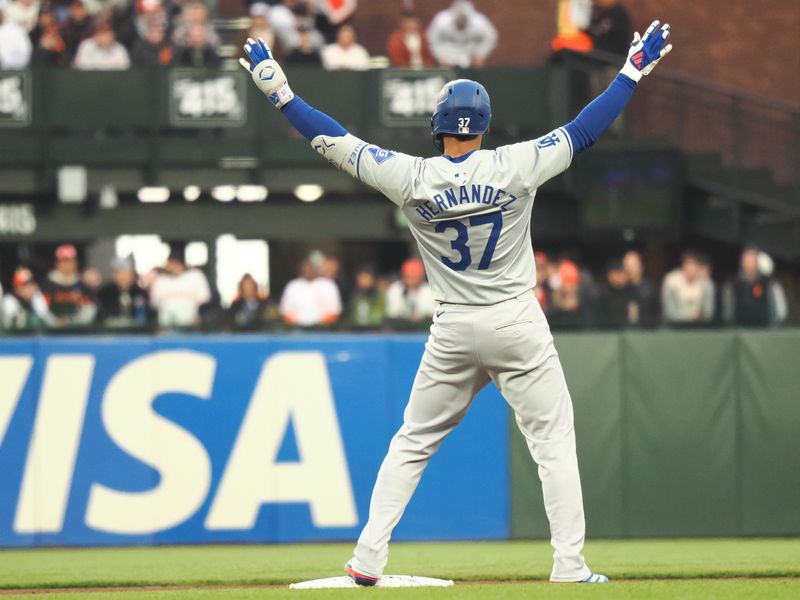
708,561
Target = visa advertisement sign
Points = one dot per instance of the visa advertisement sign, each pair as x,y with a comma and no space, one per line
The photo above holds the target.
228,439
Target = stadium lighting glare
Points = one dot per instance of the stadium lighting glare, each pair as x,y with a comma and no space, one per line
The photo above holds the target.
153,194
191,193
224,193
251,193
308,192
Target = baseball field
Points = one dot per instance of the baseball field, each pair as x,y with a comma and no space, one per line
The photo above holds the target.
713,568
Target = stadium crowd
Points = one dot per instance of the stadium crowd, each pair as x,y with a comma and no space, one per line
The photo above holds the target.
119,34
322,296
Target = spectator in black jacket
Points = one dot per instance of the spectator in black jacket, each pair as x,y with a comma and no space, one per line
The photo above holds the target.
610,27
616,298
123,303
70,301
198,53
76,28
644,309
154,50
251,309
305,54
749,298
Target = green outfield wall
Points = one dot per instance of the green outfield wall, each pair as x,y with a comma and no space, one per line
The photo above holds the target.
679,434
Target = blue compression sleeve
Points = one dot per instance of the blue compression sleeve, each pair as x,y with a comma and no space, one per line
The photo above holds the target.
309,121
598,115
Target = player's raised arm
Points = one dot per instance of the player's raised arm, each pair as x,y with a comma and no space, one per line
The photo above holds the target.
370,164
643,56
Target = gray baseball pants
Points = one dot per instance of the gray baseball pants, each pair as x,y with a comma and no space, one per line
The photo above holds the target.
510,344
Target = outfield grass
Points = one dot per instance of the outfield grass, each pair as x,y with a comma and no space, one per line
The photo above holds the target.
709,561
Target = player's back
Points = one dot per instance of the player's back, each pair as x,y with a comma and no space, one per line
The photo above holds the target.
471,217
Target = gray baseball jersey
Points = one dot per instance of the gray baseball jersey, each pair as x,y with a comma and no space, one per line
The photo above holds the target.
470,216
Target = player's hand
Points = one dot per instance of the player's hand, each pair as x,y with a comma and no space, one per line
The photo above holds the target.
645,52
266,72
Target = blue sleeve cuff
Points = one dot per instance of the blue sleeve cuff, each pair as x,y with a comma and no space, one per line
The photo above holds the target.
309,121
598,115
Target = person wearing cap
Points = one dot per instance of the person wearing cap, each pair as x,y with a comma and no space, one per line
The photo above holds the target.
306,52
178,293
367,306
615,304
410,298
260,27
76,28
750,298
70,301
122,302
567,308
102,52
24,307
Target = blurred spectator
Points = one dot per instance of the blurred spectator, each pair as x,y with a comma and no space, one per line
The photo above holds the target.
407,46
194,15
410,298
122,302
15,45
70,301
92,278
198,53
310,299
542,289
332,14
331,268
566,307
102,52
306,53
251,308
574,16
644,307
367,306
687,295
50,50
752,298
24,307
345,53
615,302
76,28
260,28
610,27
178,293
154,50
283,20
460,36
24,13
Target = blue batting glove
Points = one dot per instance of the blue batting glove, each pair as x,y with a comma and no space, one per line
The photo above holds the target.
266,72
646,51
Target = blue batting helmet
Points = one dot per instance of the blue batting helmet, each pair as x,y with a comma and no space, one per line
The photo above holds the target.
462,108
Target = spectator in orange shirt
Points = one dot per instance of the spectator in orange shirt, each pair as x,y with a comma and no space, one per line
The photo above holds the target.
407,46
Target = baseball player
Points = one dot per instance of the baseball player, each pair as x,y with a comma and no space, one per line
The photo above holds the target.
470,213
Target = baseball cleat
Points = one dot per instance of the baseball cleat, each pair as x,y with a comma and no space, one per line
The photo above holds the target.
359,578
595,578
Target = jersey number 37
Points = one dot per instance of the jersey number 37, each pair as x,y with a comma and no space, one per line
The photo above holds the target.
461,243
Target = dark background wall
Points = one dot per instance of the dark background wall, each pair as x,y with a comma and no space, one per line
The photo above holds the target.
742,43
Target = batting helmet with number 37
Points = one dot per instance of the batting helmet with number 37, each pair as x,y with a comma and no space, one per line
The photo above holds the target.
462,109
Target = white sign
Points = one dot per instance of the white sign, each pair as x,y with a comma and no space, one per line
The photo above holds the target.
17,219
15,99
202,100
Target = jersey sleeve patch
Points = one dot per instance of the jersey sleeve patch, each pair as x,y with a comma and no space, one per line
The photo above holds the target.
380,155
